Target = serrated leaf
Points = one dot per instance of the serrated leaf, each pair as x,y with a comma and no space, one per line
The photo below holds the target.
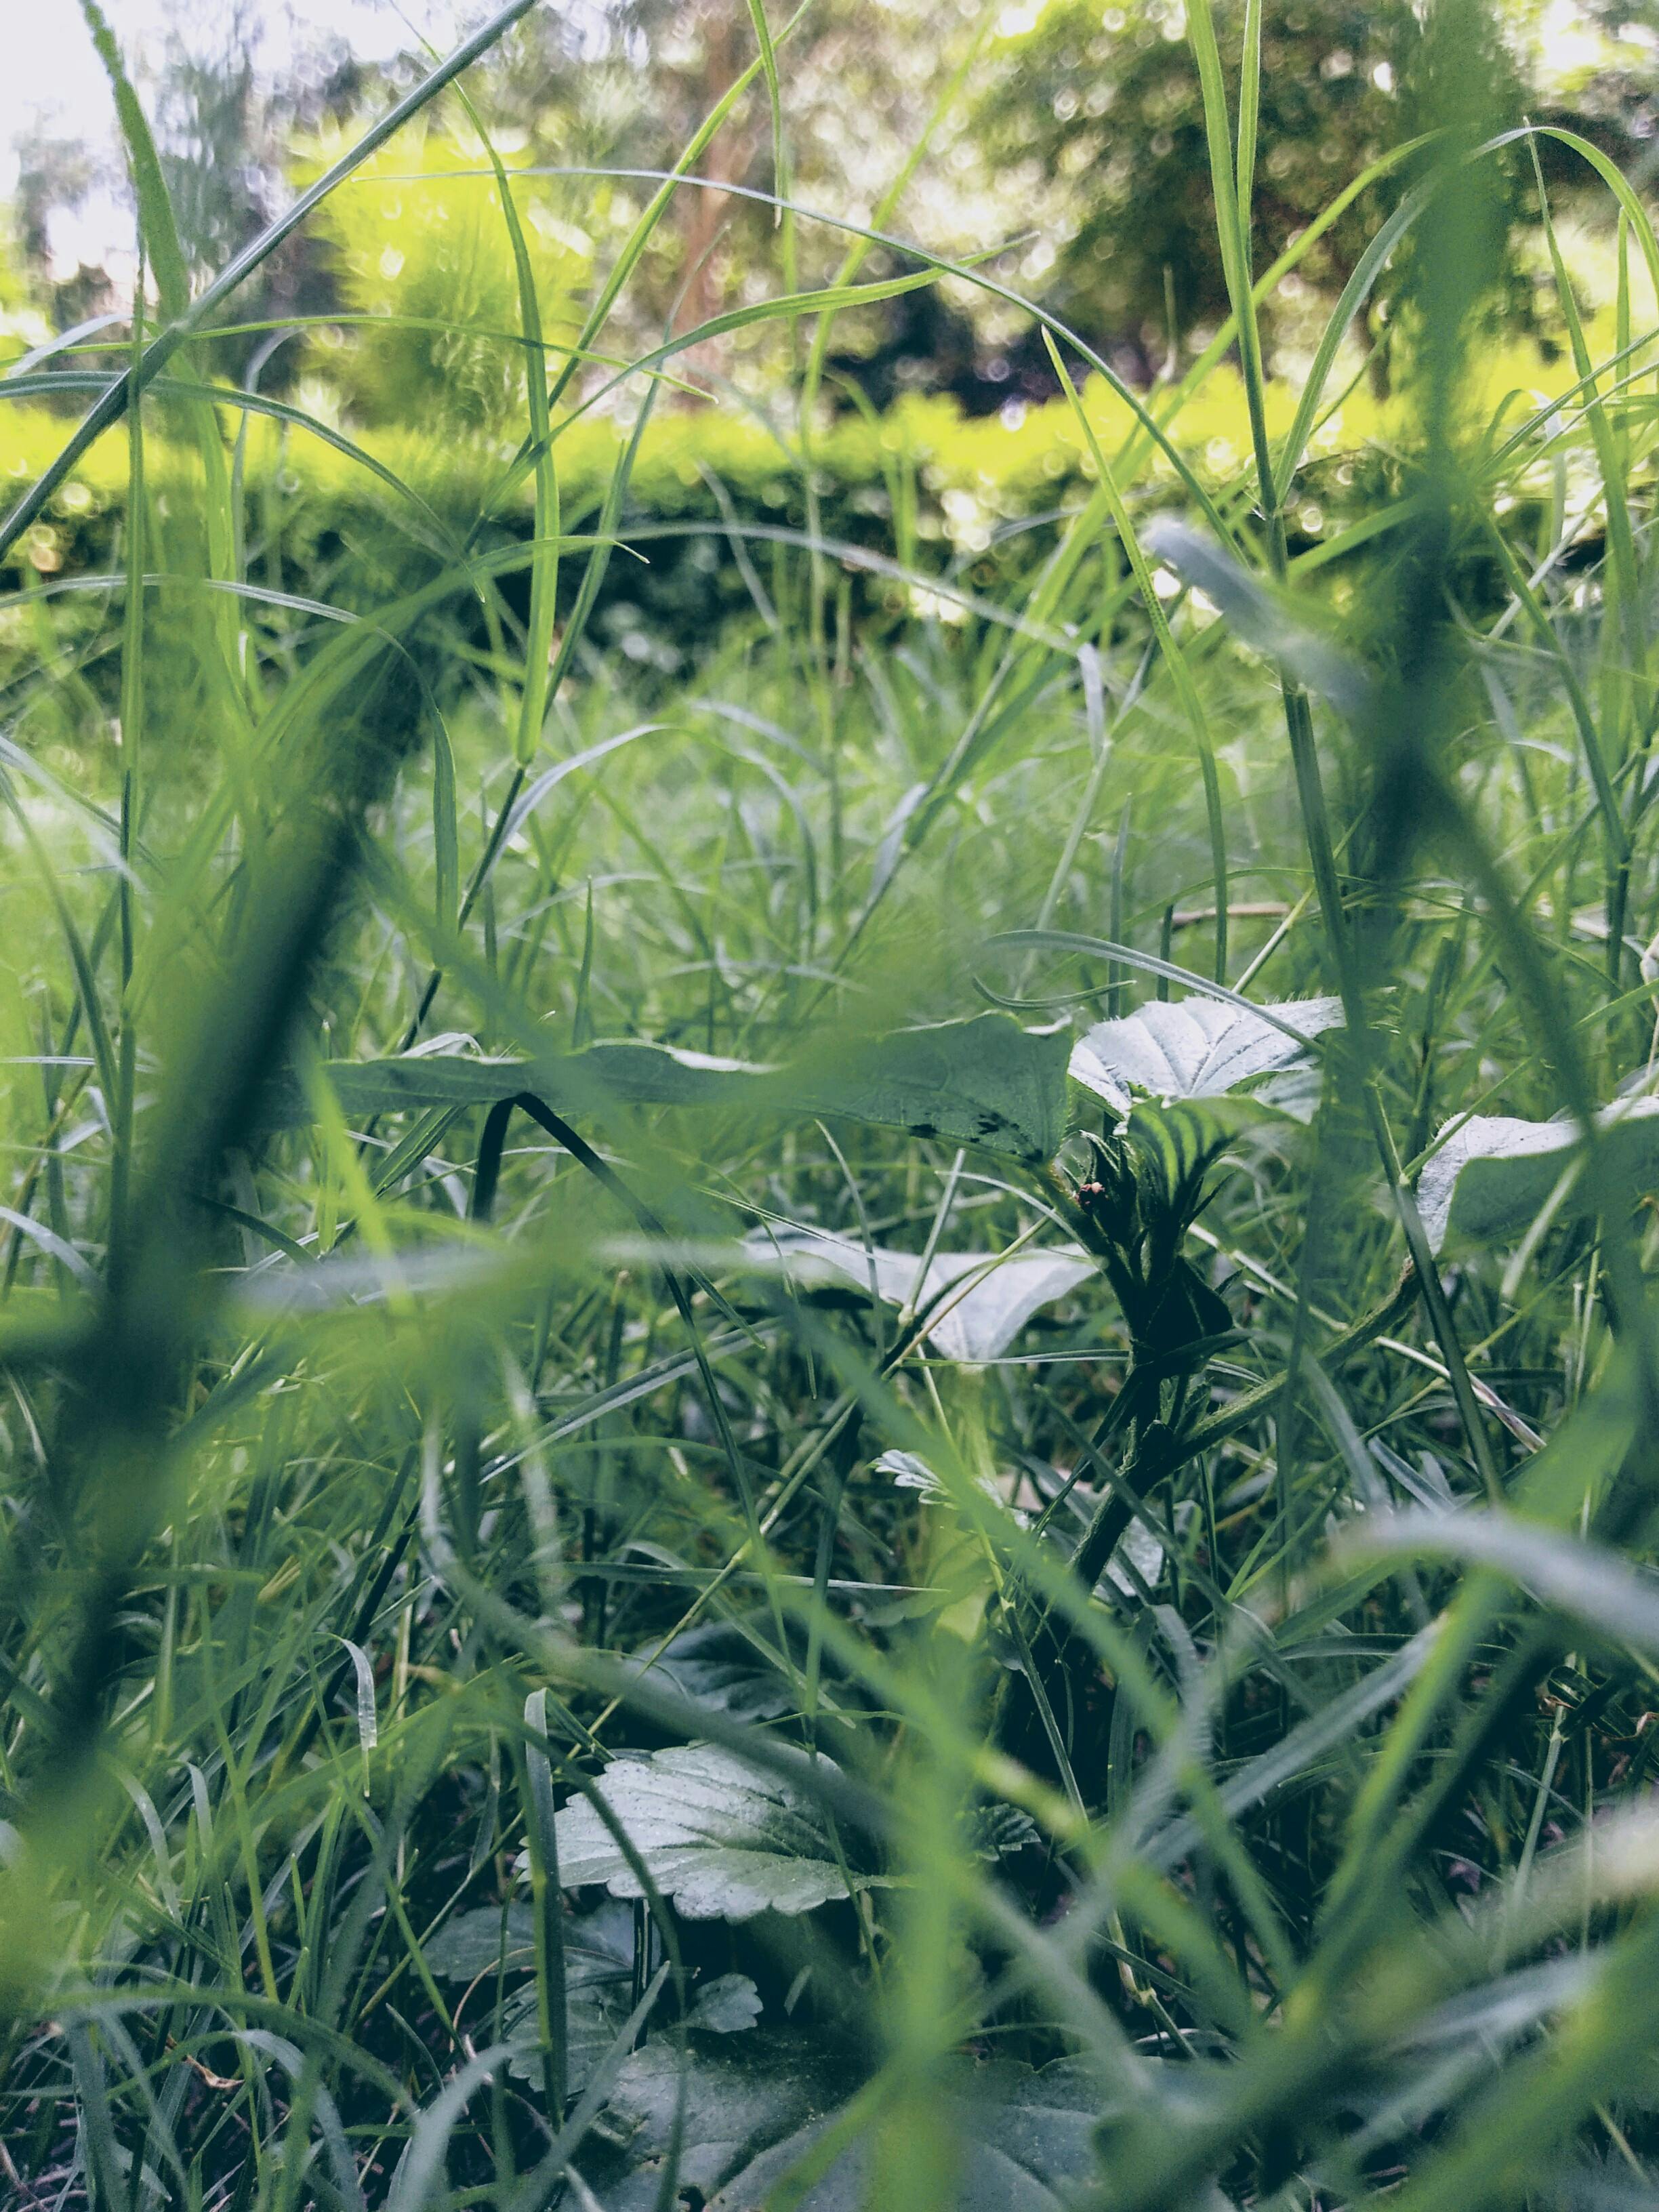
598,1996
724,1839
985,1082
472,1942
909,1471
1294,1092
1024,2139
978,1325
1495,1173
1000,1831
741,2094
715,1664
1196,1047
754,2108
599,1972
729,2005
1182,1137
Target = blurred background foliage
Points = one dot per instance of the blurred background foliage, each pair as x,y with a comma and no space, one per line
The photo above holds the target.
1062,146
420,260
1081,126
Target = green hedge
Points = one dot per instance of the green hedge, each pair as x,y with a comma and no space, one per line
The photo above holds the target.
931,493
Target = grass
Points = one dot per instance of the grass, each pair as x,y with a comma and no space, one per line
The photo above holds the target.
565,1640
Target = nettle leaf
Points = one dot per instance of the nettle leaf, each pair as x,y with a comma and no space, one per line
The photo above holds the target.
741,2095
724,1839
1025,2138
476,1942
909,1471
600,1996
1196,1047
978,1325
1181,1138
986,1082
754,2110
728,2005
1000,1831
715,1664
1495,1173
598,1985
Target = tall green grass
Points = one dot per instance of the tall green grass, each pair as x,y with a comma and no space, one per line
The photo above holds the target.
531,1677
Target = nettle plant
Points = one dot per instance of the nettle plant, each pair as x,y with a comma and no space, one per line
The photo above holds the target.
1181,1084
1118,1133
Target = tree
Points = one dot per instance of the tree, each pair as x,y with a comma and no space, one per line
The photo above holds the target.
223,116
625,87
1108,104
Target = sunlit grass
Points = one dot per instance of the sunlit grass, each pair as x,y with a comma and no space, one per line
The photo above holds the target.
1171,1732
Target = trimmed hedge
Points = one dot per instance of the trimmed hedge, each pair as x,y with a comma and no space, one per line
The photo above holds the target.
924,487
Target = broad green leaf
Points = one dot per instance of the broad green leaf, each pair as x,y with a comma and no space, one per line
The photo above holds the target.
728,2005
985,1081
598,1996
627,1074
723,1839
1025,2141
598,1979
755,2107
978,1325
472,1943
1495,1173
742,2094
1196,1047
715,1664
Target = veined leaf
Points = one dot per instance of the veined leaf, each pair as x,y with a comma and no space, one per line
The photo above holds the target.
715,1664
1495,1175
754,2108
724,1839
728,2005
1196,1047
985,1081
1026,2138
1000,1831
598,1979
598,1996
742,2094
1184,1135
473,1943
978,1325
